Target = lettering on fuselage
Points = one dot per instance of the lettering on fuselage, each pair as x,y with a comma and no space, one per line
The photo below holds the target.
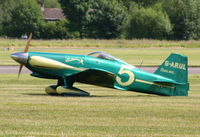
175,65
167,71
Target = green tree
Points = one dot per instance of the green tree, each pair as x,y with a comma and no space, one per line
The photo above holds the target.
25,19
185,18
129,4
55,30
148,23
192,19
49,3
96,19
6,7
76,12
146,3
107,19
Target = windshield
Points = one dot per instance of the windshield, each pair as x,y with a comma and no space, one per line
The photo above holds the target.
98,54
102,55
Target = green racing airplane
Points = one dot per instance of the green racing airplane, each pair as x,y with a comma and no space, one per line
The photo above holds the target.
101,69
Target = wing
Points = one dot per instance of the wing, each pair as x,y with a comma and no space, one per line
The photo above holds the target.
95,77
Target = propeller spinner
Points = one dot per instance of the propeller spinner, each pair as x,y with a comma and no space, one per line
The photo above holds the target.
22,57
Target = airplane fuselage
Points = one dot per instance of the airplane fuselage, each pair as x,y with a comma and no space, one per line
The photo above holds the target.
98,68
120,75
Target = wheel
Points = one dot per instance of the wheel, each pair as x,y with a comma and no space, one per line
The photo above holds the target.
62,90
51,90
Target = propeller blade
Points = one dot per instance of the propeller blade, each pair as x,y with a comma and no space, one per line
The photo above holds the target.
25,50
28,43
20,69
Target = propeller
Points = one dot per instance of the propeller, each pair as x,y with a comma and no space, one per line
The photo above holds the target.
25,51
28,43
20,69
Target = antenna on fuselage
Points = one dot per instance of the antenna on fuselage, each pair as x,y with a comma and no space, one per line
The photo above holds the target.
141,64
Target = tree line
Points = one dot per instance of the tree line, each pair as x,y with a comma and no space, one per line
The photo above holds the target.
103,19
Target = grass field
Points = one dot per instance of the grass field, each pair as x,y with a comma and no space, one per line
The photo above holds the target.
134,56
119,43
25,110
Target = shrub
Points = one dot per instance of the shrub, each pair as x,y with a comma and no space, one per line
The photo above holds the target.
56,30
148,23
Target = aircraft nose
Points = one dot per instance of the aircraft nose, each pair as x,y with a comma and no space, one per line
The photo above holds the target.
20,57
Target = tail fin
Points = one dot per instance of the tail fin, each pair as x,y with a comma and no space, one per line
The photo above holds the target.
175,67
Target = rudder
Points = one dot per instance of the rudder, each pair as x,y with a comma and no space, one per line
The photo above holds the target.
175,67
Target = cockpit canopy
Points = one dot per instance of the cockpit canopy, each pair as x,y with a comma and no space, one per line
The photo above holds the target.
102,55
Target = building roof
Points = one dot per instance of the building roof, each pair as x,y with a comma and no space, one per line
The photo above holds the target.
52,14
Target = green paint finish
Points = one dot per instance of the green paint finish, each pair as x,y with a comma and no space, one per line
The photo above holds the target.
176,67
98,68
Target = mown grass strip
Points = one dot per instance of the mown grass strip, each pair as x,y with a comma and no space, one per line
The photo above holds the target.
108,112
120,43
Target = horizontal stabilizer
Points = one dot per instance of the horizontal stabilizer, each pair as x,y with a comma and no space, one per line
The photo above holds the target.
167,82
